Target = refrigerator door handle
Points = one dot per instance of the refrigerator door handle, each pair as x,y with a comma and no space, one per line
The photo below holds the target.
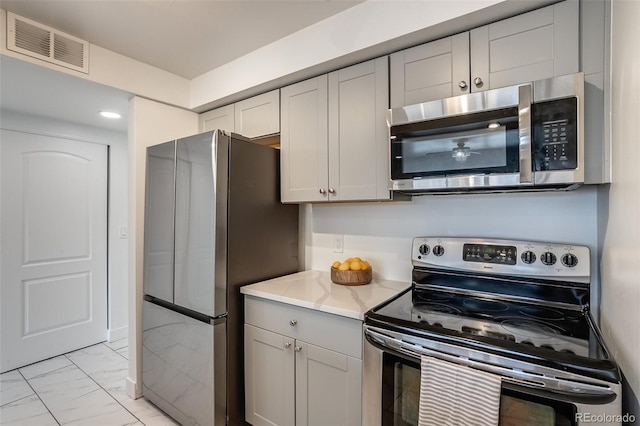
218,319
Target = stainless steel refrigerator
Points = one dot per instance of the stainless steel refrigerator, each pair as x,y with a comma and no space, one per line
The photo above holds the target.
213,222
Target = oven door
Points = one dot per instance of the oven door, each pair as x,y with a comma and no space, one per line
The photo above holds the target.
391,392
467,142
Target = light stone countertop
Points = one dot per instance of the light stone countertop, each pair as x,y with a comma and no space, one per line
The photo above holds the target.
314,290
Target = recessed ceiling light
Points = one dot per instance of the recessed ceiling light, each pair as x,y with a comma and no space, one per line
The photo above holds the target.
110,114
493,125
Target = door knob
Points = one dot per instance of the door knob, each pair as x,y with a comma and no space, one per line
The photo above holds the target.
478,82
332,191
293,323
323,191
297,349
287,345
462,85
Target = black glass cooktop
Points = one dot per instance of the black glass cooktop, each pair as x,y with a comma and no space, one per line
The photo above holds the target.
552,329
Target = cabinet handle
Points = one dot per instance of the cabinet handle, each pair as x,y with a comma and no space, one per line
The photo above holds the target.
478,82
293,323
322,191
297,349
462,85
332,191
287,345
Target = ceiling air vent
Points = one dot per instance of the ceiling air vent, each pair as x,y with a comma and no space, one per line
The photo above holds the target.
38,41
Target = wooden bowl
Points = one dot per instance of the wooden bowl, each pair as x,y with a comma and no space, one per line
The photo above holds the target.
351,277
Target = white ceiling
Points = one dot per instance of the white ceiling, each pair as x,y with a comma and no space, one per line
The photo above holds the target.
184,37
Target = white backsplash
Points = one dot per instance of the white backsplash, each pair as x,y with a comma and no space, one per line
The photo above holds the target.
382,232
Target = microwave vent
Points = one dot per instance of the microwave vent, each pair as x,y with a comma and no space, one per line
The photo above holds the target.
31,38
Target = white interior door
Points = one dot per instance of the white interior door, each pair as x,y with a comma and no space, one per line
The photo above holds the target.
53,257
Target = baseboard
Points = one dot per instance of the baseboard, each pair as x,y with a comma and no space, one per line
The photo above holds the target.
114,334
133,390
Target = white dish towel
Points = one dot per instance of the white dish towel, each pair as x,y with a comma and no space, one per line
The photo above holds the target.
454,395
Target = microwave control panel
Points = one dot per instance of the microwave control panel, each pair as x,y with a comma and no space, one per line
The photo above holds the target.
555,134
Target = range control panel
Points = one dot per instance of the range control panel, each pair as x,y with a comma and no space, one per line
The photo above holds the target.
505,257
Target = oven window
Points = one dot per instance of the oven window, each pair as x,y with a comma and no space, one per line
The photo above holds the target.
401,400
400,391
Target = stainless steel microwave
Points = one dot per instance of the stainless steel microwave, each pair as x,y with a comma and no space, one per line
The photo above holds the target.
523,137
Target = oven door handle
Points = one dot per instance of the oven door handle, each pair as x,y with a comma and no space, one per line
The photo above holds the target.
567,389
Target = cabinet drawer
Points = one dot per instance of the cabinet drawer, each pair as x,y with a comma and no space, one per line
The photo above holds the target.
329,331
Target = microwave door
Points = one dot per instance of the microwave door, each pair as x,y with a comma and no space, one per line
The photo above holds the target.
477,150
524,130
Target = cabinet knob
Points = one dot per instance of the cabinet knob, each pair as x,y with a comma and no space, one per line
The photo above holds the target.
287,345
297,349
293,323
323,191
332,191
478,82
462,85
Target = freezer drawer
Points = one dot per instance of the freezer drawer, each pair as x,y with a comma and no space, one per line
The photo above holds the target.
184,366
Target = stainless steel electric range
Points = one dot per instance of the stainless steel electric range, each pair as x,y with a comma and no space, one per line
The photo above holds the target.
516,309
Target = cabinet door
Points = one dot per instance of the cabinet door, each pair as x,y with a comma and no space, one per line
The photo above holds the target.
532,46
303,141
358,134
431,71
328,387
269,377
219,118
258,116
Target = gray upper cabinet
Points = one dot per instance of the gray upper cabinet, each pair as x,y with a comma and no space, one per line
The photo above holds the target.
334,138
222,118
304,141
535,45
253,117
258,116
431,71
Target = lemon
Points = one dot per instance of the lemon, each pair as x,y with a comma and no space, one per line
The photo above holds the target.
356,265
365,265
344,266
335,264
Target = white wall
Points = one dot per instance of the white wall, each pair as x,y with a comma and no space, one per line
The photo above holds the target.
150,123
118,204
621,252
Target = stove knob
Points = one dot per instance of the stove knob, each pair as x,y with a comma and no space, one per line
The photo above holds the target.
569,260
528,257
548,258
424,249
438,250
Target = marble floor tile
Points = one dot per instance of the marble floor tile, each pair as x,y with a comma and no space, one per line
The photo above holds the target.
118,344
28,411
84,387
44,367
147,413
13,387
106,367
124,352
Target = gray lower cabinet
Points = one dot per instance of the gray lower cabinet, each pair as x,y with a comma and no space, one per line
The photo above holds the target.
333,139
302,367
535,45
